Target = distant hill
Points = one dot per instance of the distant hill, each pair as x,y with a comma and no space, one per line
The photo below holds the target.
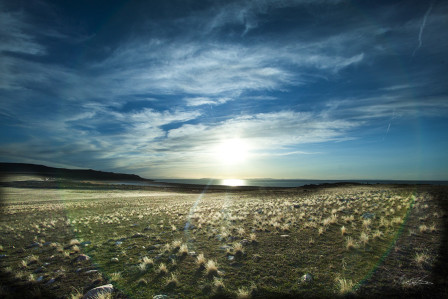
84,174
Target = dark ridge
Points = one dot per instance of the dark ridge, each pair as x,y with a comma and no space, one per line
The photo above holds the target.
52,172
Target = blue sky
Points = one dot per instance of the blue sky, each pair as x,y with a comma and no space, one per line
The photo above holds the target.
227,89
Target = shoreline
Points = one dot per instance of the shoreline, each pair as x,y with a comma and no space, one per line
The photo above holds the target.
63,183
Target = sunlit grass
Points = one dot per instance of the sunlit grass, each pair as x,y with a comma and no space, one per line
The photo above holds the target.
140,246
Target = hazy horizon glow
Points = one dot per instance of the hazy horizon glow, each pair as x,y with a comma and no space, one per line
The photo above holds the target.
299,89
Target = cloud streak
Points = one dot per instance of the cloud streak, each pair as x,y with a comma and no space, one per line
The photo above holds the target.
422,27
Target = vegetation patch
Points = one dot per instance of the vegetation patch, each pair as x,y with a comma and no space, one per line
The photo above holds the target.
238,244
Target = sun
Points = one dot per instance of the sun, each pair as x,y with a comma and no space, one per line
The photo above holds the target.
232,151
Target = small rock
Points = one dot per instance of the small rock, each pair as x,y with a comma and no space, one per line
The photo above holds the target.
138,235
160,297
244,242
118,243
39,270
154,247
284,236
230,257
78,270
225,247
307,278
192,253
368,215
95,292
46,264
40,278
147,228
82,258
158,257
91,271
133,225
86,243
114,260
51,281
34,245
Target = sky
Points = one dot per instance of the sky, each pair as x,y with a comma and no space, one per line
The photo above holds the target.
304,89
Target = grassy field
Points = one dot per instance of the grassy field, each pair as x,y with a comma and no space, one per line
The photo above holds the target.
320,242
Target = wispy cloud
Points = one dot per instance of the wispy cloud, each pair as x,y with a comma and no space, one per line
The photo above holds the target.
164,93
246,13
16,36
422,27
199,101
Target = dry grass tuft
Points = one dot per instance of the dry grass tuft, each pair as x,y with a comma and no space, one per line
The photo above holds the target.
176,244
163,269
76,295
253,238
74,242
183,250
350,243
218,284
364,238
423,228
200,260
421,258
147,260
172,281
243,293
211,268
345,285
238,249
377,234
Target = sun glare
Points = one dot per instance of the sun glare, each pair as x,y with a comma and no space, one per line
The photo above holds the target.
232,151
233,182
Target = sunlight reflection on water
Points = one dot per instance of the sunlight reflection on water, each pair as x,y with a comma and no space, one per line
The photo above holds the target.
233,182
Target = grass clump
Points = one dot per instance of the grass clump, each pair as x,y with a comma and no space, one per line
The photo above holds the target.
183,250
350,243
172,281
200,261
420,258
148,261
238,249
364,238
211,268
74,242
162,269
344,285
218,284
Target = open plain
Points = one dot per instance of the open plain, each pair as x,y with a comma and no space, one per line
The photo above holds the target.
312,241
